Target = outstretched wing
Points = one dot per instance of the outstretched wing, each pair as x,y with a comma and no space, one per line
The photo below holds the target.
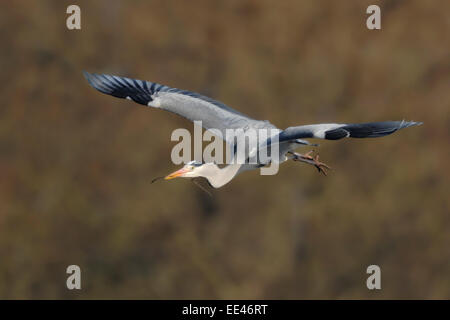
190,105
334,131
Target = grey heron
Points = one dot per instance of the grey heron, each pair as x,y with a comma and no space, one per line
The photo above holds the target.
216,115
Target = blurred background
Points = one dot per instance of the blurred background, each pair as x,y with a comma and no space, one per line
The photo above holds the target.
76,165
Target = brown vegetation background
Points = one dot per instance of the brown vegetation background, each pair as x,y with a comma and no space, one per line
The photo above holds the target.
76,165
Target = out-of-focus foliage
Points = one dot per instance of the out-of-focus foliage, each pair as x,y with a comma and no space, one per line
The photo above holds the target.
76,165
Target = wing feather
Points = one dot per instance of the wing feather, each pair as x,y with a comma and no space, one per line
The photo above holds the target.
190,105
334,131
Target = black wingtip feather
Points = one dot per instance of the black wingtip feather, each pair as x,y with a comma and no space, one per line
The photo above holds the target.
376,129
120,87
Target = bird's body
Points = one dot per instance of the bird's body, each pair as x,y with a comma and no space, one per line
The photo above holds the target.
216,115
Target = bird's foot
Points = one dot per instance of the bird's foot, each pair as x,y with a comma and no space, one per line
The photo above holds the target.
308,158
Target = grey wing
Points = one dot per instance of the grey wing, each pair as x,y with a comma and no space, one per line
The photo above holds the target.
190,105
334,131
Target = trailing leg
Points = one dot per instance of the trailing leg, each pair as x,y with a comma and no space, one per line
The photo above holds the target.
307,158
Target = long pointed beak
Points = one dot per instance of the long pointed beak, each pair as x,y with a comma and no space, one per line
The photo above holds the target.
176,174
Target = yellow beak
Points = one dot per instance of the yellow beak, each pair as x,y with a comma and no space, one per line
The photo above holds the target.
177,174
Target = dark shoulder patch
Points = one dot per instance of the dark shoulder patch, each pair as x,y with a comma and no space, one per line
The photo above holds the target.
336,134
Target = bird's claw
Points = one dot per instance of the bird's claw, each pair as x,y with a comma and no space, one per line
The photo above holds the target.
320,166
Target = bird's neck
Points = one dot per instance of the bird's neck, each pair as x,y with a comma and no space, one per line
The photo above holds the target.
218,177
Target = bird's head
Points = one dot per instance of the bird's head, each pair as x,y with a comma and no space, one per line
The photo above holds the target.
192,169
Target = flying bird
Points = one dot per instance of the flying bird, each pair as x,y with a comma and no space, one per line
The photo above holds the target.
216,115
